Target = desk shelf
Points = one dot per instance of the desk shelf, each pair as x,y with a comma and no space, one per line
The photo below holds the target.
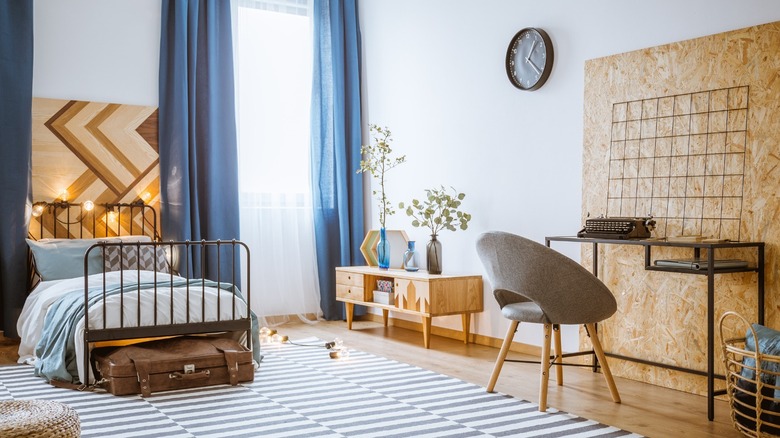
700,271
710,273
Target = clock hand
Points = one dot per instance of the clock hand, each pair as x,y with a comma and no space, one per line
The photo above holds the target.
531,51
528,60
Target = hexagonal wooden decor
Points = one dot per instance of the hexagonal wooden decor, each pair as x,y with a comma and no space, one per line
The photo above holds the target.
368,248
398,240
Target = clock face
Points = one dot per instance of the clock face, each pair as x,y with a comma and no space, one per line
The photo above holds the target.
529,59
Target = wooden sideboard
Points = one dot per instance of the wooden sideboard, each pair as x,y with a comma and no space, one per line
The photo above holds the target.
415,293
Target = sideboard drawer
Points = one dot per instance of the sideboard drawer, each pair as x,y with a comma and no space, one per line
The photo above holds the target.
350,292
349,279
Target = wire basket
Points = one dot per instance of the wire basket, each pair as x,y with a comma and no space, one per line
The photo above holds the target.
751,383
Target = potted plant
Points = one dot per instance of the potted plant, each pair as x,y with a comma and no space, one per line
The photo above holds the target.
439,211
377,161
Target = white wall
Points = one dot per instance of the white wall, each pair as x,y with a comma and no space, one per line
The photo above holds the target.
97,50
434,74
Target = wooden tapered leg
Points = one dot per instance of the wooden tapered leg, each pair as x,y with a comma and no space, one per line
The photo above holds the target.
466,317
510,334
594,339
426,323
385,314
558,354
350,311
545,368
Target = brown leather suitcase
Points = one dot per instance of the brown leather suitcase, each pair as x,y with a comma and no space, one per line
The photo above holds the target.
175,363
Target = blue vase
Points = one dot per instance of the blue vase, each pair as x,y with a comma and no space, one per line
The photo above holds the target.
410,264
383,250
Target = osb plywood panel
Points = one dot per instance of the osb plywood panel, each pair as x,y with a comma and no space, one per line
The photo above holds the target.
103,152
662,316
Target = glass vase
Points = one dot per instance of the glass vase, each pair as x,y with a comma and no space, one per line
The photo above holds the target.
410,264
383,250
434,256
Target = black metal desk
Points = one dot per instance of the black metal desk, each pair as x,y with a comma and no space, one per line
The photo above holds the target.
710,272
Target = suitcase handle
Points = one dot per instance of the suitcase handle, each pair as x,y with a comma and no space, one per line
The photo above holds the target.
190,376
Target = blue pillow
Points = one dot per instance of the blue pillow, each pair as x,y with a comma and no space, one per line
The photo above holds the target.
56,259
768,343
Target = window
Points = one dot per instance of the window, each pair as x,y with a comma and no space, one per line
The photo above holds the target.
273,61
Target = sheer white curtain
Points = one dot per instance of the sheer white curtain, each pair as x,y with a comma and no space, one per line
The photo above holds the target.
273,93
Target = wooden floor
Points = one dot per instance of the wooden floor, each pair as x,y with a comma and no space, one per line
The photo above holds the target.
645,409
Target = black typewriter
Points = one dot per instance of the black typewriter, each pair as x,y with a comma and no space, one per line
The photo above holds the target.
618,227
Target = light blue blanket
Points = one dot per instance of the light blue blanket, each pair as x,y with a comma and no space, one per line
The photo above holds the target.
56,352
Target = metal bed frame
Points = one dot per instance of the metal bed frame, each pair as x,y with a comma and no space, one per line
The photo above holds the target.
137,215
189,251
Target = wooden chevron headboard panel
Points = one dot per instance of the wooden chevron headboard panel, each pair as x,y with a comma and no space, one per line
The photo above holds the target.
103,152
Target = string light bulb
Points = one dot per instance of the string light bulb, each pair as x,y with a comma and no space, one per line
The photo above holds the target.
276,338
270,338
146,196
264,333
338,350
37,209
64,195
340,353
88,205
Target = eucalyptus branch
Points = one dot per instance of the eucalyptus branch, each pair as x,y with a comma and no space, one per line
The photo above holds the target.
439,211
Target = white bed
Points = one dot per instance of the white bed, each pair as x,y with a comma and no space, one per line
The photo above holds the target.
31,321
119,271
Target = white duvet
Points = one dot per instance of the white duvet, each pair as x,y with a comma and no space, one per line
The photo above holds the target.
30,325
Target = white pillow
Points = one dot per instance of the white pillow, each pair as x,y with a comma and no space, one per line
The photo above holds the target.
145,258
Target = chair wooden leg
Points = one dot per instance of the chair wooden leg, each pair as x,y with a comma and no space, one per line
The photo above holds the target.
594,339
510,335
545,368
558,354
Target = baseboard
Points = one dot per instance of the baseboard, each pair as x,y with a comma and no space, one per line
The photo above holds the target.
474,338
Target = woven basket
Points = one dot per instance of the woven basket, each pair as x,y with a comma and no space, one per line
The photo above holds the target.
754,398
38,418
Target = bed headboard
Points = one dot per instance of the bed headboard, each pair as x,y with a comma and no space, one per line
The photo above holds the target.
88,220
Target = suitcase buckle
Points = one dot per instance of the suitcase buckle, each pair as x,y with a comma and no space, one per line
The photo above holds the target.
189,368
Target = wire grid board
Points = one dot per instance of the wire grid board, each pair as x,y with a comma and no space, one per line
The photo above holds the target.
681,159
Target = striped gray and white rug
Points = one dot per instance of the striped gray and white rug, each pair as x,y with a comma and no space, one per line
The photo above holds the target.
300,391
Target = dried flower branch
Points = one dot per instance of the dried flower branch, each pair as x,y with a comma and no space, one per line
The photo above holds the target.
377,161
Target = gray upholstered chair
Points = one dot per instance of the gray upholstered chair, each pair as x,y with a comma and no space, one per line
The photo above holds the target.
533,283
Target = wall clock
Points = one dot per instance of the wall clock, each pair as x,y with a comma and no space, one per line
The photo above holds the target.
529,59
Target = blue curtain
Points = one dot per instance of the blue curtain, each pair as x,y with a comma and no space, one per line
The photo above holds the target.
336,138
198,153
16,65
